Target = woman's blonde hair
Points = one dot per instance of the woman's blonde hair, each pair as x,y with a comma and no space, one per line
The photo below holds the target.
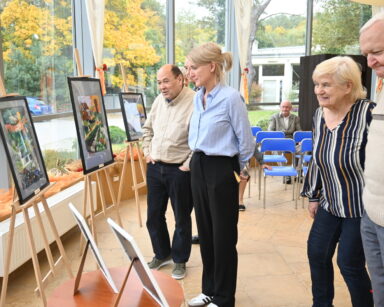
342,69
211,53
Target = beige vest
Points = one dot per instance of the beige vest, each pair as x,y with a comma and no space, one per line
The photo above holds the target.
373,196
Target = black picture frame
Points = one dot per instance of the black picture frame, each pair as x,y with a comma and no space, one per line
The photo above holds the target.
134,114
22,147
91,123
133,253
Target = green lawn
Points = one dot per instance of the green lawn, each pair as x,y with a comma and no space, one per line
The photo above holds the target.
260,117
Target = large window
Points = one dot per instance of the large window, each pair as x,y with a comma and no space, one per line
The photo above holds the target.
198,22
336,25
37,52
134,38
280,41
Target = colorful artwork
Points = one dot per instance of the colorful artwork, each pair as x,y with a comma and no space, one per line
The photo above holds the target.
91,123
22,147
94,130
132,106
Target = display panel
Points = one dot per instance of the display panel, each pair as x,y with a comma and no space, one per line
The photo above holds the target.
22,147
91,123
134,254
134,115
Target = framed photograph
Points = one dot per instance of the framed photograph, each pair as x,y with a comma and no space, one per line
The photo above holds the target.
134,115
89,237
143,271
22,147
91,123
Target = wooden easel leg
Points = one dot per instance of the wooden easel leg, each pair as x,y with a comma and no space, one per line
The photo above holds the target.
124,283
141,162
8,258
81,268
135,184
57,237
101,193
91,208
122,179
85,202
45,239
35,261
112,193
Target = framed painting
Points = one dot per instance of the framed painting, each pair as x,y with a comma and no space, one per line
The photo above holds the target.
22,147
95,251
91,123
134,115
133,252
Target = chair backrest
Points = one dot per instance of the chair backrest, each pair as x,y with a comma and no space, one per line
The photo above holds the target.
306,145
299,135
261,135
277,144
255,129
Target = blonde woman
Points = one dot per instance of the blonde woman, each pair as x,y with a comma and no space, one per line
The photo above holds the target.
221,140
334,183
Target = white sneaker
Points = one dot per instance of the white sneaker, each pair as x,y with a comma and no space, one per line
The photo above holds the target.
212,305
200,300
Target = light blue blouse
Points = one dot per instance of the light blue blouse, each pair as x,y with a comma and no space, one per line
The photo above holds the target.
223,128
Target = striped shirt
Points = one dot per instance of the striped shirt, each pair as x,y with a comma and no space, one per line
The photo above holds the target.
335,176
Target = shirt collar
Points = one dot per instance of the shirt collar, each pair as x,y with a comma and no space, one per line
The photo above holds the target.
176,99
281,115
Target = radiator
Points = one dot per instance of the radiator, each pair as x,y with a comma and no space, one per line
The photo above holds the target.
62,216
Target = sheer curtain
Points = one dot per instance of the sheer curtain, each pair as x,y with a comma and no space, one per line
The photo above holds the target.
95,14
243,9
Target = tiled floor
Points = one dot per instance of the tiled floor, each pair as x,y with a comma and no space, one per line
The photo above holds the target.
273,267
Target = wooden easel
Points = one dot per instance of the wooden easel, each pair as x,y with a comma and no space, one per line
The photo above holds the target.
136,186
87,178
17,207
129,150
88,196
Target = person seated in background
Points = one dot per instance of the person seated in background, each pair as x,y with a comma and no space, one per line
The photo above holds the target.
284,120
287,122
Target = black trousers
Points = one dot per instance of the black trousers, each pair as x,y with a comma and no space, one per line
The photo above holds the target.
164,182
215,197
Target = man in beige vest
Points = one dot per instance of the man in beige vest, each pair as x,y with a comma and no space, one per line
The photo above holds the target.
372,222
165,146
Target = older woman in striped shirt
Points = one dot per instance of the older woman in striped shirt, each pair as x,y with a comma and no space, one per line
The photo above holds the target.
335,182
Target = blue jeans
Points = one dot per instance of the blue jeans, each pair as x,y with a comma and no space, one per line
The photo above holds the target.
328,230
164,182
373,241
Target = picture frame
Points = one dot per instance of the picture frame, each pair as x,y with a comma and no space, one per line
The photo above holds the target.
22,147
95,251
143,271
134,114
91,123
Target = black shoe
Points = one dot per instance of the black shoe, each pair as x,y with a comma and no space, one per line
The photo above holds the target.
287,179
241,207
195,239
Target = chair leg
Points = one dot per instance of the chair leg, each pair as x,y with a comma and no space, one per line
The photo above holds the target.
260,170
265,178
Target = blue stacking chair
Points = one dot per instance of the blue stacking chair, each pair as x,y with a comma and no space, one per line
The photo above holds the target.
298,136
255,129
284,145
270,158
306,147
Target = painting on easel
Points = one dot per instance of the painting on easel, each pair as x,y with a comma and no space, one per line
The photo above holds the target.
22,147
134,115
91,123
